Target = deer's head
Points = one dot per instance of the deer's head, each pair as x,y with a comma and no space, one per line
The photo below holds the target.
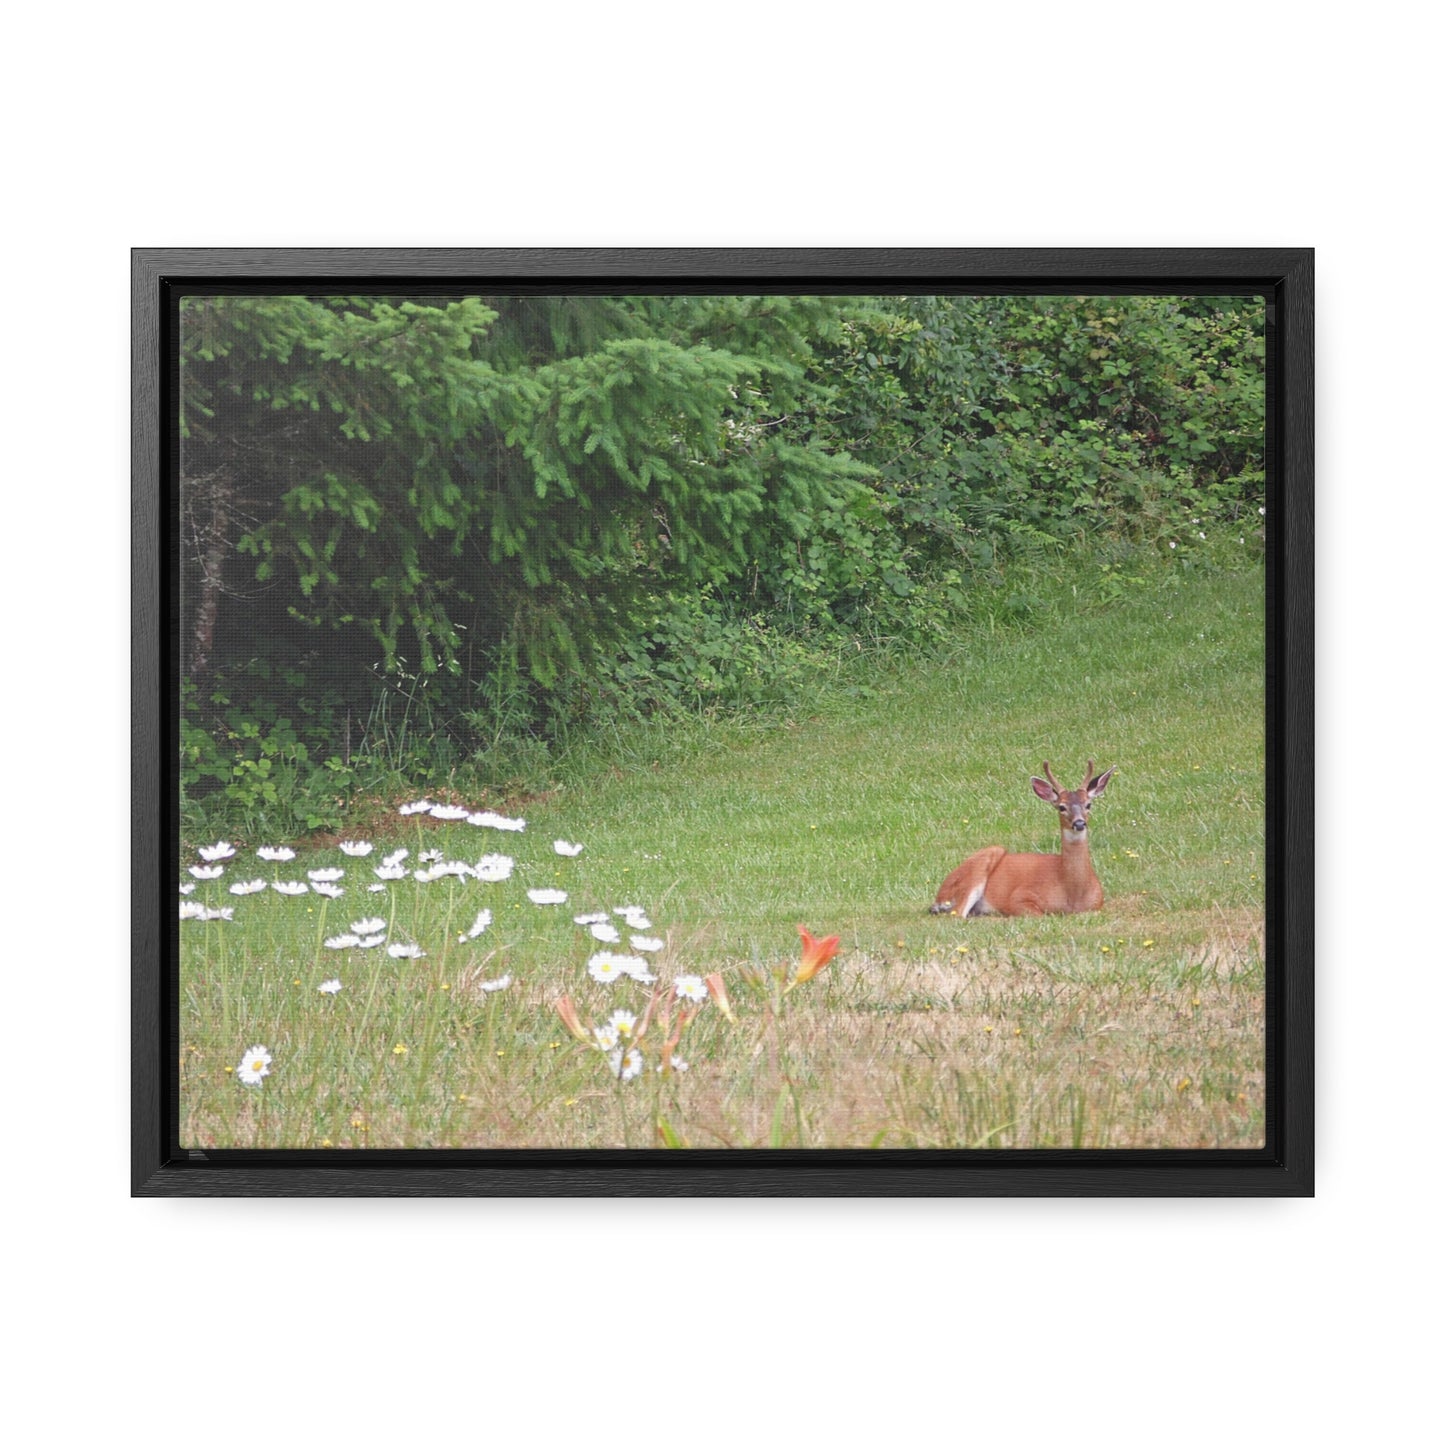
1073,804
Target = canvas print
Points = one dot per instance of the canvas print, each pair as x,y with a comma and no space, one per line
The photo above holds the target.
737,722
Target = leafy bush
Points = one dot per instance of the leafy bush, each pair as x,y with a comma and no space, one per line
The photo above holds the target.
252,763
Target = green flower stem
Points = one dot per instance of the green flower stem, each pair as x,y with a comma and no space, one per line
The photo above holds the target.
622,1108
320,930
217,939
365,1015
447,930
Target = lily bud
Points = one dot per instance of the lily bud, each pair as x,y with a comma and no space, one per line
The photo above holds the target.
719,993
567,1012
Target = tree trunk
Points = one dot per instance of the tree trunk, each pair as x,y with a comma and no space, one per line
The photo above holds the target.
211,546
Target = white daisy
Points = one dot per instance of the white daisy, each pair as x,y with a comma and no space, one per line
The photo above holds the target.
635,967
376,887
484,922
187,888
606,967
647,945
624,1022
325,875
492,985
690,987
546,895
392,873
216,852
626,1066
494,868
332,985
392,859
605,933
496,820
193,910
291,890
342,940
207,915
404,950
454,869
431,855
206,874
679,1066
370,940
254,1066
369,925
587,919
327,890
256,885
449,813
422,805
606,1036
634,917
276,855
565,849
356,850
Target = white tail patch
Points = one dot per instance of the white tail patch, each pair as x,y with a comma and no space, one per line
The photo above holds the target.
973,903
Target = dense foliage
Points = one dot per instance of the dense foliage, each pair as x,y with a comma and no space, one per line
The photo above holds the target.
434,535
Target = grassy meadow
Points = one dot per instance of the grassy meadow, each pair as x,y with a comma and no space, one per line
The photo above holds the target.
1138,1026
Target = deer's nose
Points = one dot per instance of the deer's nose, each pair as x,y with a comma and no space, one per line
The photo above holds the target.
1079,824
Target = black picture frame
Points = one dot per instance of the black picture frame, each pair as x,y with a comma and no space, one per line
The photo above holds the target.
1283,1167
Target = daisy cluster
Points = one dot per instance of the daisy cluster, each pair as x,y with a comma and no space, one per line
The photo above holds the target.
362,867
606,966
456,813
672,1007
620,1039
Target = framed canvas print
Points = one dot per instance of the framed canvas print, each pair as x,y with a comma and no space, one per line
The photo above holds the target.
733,722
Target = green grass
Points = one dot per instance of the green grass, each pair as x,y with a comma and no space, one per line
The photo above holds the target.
1141,1025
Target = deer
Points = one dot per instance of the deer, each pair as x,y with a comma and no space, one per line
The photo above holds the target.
993,880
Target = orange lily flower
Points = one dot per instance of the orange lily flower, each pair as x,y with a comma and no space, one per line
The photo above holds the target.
714,984
817,953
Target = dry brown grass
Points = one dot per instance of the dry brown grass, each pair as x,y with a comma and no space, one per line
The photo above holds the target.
1070,1047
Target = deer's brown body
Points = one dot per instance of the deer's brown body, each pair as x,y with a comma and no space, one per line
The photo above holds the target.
993,880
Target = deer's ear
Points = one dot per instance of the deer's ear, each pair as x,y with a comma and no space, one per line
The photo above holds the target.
1097,785
1048,793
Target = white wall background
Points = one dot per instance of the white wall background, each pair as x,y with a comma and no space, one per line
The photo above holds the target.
754,124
